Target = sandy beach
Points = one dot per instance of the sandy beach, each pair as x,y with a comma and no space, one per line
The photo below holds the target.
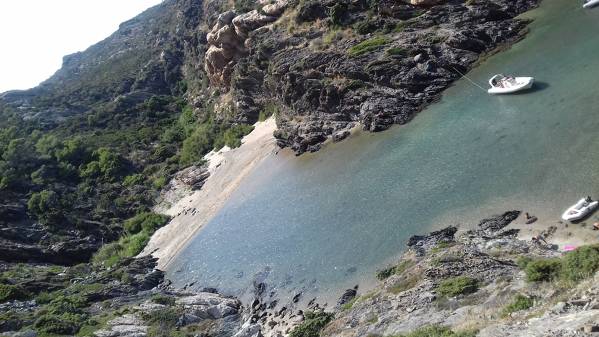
228,168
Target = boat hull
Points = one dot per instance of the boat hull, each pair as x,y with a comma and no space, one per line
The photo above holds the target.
591,4
579,211
524,83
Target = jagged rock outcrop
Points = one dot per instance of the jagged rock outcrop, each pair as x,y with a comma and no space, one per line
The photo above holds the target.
227,38
225,49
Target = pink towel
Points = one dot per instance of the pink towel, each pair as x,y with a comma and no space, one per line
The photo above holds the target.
568,248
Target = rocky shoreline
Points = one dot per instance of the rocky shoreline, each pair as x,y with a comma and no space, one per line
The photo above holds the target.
133,299
323,78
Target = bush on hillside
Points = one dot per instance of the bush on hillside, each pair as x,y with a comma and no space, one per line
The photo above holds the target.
580,263
520,302
313,323
368,46
460,285
9,292
147,221
542,270
64,324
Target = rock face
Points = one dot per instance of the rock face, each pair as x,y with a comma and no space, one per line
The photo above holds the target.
227,38
323,87
226,48
29,242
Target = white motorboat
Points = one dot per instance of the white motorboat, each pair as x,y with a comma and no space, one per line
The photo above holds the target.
507,84
579,210
590,3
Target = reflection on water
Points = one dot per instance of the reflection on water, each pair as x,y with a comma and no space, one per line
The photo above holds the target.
326,221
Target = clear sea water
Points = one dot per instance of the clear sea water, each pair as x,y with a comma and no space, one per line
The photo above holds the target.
324,222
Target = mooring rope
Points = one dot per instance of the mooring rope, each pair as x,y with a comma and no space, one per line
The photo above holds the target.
471,81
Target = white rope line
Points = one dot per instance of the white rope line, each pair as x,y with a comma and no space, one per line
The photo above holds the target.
471,81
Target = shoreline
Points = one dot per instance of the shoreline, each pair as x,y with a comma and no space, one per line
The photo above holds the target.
228,168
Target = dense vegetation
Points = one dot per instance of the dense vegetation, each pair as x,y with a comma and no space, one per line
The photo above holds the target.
573,267
138,231
93,171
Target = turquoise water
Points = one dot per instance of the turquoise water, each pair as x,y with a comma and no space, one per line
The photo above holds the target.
326,221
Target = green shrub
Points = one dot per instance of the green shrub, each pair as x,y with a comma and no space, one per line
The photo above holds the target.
580,263
385,273
268,110
400,268
368,46
134,244
44,297
460,285
139,230
396,51
45,205
132,180
9,292
349,304
159,182
147,221
438,331
162,322
523,261
127,246
66,304
163,299
232,136
108,255
313,323
200,142
64,324
542,270
519,303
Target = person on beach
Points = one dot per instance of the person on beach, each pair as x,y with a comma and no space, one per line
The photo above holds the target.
537,239
530,218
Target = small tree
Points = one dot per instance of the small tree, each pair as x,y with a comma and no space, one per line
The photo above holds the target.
46,206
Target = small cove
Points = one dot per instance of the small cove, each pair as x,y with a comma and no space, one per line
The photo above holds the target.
324,222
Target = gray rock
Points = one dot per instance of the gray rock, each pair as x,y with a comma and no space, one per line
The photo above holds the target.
250,330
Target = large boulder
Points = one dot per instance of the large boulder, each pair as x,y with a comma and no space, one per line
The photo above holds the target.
250,21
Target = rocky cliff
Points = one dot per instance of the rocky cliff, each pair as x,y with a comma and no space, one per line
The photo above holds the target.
323,66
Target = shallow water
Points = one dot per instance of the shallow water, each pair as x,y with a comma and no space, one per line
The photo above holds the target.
326,221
